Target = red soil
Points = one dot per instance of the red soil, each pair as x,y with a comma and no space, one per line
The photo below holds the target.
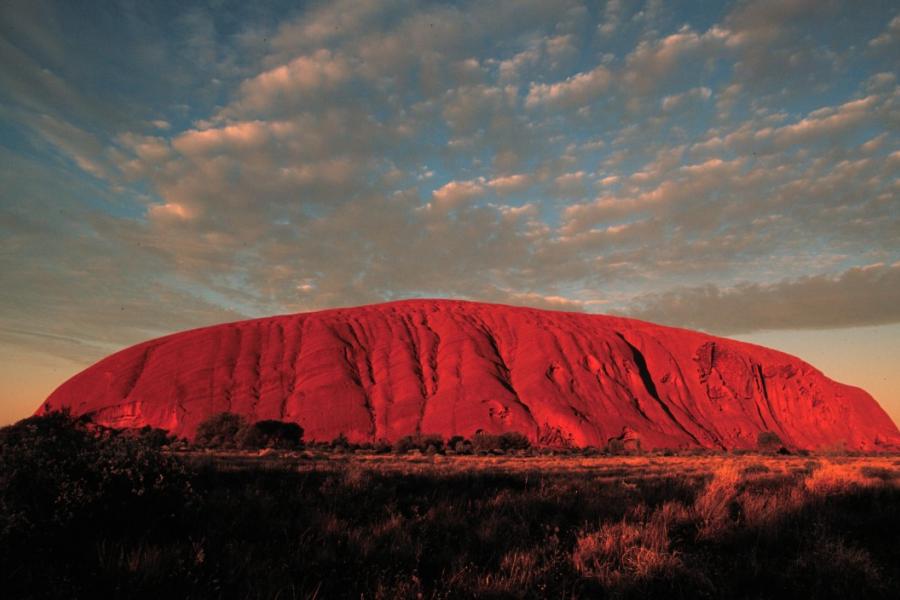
450,367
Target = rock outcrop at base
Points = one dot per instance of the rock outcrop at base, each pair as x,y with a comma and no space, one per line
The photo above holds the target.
454,368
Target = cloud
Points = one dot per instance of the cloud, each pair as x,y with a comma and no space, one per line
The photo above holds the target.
469,108
508,184
670,103
50,245
535,300
293,85
822,122
511,68
79,145
612,18
827,122
456,193
686,183
890,37
858,296
574,91
653,62
544,55
571,184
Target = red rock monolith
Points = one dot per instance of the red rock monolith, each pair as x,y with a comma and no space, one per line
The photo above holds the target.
454,368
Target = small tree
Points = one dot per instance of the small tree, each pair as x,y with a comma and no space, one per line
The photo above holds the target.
220,431
270,434
155,436
431,444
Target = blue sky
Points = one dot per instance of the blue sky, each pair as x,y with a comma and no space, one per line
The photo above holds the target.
727,166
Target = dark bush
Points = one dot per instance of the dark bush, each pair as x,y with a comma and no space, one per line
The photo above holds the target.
271,434
881,473
405,445
615,447
425,444
431,444
341,443
768,441
459,445
220,431
62,482
455,440
382,446
153,436
511,440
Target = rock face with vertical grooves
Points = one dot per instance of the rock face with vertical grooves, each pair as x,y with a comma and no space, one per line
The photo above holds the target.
450,367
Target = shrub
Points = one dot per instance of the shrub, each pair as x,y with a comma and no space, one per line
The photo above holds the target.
768,441
881,473
431,444
615,447
219,431
404,445
835,478
511,440
381,446
454,440
715,506
341,443
628,553
423,443
271,434
459,445
156,436
61,482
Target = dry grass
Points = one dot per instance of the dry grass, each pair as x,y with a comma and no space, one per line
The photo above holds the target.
632,551
319,525
656,526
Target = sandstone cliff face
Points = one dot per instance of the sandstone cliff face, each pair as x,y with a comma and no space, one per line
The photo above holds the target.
449,367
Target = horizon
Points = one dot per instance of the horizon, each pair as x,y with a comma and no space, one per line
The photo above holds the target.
726,167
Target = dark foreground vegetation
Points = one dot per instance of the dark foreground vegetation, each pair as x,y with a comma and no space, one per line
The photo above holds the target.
89,513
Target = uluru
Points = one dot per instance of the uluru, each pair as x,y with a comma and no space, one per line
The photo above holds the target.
446,367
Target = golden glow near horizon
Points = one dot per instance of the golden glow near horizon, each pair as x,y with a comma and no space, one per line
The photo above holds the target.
26,379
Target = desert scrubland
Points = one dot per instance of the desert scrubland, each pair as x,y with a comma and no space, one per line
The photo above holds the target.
120,517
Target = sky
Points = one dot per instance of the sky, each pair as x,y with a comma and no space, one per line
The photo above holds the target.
732,167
